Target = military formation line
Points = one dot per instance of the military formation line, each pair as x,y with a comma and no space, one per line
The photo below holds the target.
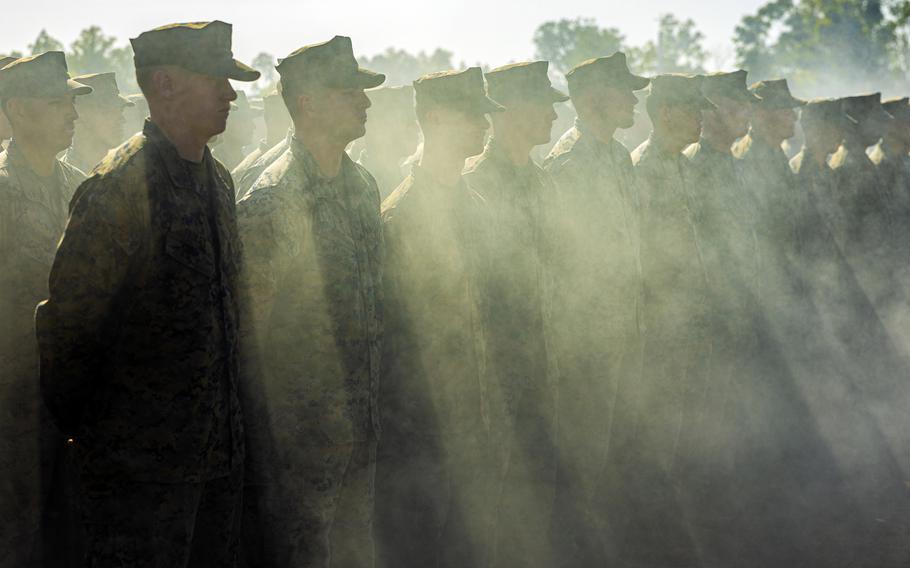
402,342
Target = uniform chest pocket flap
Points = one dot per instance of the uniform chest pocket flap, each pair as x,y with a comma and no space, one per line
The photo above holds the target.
191,251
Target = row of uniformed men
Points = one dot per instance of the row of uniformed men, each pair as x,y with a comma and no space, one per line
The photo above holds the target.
671,315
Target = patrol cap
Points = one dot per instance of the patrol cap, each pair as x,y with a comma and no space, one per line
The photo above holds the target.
42,75
610,71
898,107
775,94
527,80
330,63
863,108
679,89
827,110
462,90
104,87
731,85
201,47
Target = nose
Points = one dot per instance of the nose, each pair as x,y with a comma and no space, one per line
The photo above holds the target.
551,115
230,93
364,100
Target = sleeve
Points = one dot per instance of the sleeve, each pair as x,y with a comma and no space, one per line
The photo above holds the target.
74,324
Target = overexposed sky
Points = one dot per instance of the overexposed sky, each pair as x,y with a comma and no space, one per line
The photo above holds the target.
489,31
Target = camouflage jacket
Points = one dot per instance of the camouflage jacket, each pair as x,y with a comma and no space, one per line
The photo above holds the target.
675,278
725,214
863,201
33,214
597,274
516,256
313,261
433,348
138,338
248,171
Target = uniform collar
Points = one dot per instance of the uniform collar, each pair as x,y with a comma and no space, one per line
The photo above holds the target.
176,167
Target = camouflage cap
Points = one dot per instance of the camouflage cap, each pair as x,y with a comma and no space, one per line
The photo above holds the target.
898,107
527,80
775,94
42,75
104,87
730,85
330,63
610,71
866,108
6,60
827,110
680,89
460,90
201,47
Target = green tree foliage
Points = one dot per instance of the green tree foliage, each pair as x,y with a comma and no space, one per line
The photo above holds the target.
566,43
679,48
827,46
44,42
402,68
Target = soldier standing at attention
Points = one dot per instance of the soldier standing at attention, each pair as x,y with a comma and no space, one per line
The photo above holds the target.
597,291
39,99
434,471
277,122
392,138
138,337
313,252
516,291
892,157
101,121
676,320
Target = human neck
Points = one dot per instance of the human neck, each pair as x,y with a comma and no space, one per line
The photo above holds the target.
441,165
189,145
718,139
603,133
817,151
893,148
327,152
667,142
39,159
766,138
515,148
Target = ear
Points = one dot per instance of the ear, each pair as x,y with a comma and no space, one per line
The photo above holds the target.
303,103
165,82
15,110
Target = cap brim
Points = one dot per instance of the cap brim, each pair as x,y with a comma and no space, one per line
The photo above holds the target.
76,88
367,79
241,72
637,83
558,96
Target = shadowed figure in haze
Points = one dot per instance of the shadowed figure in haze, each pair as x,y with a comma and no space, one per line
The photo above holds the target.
229,147
134,116
277,123
435,471
313,325
101,121
138,337
595,312
854,373
392,137
893,161
516,288
39,100
676,320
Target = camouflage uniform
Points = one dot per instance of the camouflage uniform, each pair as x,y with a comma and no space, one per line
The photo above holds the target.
434,469
595,319
514,295
139,348
676,352
861,358
246,174
313,257
32,217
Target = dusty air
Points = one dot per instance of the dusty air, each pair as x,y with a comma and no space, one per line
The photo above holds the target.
611,305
